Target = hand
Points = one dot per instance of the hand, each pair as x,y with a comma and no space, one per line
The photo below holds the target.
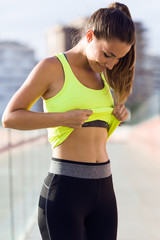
75,118
120,112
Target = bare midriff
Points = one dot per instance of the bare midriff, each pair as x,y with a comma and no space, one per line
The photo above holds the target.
84,145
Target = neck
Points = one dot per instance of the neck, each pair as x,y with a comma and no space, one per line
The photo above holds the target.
78,55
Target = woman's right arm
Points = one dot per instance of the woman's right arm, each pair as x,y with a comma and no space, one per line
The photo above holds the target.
17,114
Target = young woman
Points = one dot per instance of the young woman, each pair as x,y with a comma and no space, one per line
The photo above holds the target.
80,114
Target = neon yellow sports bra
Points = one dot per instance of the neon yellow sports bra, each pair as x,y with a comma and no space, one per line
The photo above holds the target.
74,95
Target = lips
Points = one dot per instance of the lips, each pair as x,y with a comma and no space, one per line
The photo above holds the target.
102,67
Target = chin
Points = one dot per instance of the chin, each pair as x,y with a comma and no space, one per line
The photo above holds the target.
97,70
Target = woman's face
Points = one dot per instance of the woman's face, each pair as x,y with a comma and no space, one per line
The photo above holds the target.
102,54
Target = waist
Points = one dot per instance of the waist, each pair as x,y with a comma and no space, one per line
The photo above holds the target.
80,169
84,144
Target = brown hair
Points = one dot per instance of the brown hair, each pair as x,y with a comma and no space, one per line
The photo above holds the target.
110,23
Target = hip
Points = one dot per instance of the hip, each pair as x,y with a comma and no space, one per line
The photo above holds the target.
76,179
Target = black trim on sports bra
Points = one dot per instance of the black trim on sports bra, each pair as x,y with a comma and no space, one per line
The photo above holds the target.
96,123
65,56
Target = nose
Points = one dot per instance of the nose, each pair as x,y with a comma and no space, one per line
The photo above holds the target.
111,62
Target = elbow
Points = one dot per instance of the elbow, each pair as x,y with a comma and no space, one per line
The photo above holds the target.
5,121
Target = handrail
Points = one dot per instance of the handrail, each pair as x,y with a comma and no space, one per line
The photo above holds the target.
7,147
11,146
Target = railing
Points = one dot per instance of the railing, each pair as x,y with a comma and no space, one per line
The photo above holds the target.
24,162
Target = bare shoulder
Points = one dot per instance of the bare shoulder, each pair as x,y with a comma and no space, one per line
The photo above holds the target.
53,74
50,63
47,68
39,82
46,75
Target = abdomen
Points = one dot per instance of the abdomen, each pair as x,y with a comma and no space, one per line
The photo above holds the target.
84,145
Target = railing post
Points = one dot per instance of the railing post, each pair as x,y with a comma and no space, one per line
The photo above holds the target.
11,196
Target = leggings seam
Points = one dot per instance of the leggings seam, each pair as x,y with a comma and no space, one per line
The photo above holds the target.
46,208
45,185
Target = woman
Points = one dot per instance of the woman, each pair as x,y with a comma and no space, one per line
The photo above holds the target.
80,114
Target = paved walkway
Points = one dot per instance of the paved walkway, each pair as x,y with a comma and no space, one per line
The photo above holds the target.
136,179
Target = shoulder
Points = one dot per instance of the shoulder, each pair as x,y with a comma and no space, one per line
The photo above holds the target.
48,65
50,76
47,71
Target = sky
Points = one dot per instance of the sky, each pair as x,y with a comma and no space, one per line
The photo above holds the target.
27,21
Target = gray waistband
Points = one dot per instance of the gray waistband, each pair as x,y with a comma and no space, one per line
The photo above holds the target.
80,169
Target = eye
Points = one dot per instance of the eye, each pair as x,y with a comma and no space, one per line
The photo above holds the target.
107,56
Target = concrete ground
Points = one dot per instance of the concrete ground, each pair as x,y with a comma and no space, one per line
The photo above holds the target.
136,176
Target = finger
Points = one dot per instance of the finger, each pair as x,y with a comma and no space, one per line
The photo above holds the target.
88,112
123,111
116,109
125,116
122,108
121,114
117,117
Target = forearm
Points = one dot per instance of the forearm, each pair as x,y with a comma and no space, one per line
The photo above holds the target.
27,120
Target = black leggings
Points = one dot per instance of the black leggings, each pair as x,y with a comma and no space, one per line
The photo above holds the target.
76,208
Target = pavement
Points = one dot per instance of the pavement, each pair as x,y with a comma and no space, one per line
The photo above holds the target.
136,177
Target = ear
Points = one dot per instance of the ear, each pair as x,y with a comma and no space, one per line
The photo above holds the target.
89,35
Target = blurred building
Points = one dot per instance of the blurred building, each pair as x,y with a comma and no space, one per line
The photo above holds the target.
152,104
59,37
16,62
152,63
145,100
143,83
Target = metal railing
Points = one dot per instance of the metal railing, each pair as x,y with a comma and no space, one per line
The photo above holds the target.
24,162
